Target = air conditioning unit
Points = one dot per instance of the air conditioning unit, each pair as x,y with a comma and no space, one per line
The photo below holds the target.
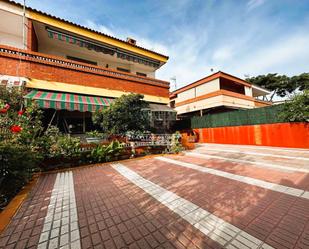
131,41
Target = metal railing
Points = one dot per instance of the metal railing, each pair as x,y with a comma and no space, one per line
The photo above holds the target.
42,58
134,141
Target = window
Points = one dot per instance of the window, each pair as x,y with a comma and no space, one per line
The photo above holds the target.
123,69
141,74
81,60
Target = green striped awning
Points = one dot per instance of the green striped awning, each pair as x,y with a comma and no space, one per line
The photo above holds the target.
67,101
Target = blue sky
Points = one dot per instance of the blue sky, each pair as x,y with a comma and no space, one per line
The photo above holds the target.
240,37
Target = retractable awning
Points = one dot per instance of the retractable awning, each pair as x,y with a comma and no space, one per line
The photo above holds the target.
67,101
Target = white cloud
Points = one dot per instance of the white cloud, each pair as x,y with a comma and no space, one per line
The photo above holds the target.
252,4
99,27
222,53
286,55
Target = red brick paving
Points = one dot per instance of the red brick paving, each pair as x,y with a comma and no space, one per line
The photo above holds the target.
267,215
25,228
295,179
114,213
258,158
259,149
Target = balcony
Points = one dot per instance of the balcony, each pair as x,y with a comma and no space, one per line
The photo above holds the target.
41,66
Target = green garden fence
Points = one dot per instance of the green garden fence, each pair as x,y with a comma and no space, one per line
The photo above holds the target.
263,115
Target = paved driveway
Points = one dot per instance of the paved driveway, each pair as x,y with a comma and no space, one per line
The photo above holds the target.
216,196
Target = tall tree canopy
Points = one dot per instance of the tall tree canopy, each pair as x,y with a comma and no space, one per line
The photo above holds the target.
281,85
124,114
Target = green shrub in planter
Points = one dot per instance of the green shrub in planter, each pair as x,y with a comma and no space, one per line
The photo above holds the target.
105,153
17,163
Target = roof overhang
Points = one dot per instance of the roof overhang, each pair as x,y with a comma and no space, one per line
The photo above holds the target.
259,91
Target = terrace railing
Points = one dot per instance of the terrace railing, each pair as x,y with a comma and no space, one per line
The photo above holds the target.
61,62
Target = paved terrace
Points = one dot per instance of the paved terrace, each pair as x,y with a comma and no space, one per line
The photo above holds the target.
216,196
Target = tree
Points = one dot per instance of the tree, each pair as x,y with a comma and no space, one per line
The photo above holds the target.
124,114
281,85
296,110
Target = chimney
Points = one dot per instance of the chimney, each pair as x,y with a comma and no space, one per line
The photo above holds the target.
131,41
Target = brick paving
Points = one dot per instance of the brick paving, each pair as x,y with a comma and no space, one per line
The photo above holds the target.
267,215
113,212
266,159
290,179
26,226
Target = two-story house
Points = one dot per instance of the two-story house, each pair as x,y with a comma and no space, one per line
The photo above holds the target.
72,71
218,92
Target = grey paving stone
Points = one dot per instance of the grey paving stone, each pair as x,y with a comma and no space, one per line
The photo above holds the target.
73,225
53,243
54,233
42,245
74,235
64,239
47,226
44,236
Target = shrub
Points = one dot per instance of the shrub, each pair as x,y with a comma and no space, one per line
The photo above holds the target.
297,110
126,113
175,146
105,153
18,162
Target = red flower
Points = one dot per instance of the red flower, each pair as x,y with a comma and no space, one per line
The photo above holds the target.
5,108
20,113
16,128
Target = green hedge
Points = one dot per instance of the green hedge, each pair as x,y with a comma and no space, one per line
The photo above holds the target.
263,115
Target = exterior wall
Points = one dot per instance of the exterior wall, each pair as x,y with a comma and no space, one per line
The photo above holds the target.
200,90
199,105
189,94
215,99
248,91
32,40
51,71
237,102
260,103
294,135
11,28
209,87
11,40
63,50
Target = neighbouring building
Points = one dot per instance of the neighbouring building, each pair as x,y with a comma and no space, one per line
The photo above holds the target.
216,93
72,71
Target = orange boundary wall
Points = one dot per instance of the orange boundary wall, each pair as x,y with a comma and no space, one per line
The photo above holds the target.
294,135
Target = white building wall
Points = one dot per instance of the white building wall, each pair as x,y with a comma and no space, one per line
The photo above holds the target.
216,101
189,94
208,87
248,91
11,26
11,40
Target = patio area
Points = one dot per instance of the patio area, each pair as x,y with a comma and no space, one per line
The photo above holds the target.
215,196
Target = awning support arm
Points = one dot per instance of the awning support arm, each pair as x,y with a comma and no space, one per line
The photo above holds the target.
51,120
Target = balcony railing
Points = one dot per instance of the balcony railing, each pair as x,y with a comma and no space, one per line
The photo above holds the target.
61,62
